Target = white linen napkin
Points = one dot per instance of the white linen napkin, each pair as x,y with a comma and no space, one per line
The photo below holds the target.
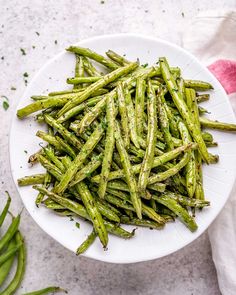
212,38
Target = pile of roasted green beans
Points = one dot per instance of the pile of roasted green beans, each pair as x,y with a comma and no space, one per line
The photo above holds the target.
11,245
125,147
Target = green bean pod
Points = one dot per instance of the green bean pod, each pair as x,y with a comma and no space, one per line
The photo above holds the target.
123,114
151,140
20,270
109,147
129,175
5,209
93,212
87,243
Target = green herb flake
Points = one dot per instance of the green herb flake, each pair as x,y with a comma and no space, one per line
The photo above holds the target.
145,65
77,224
55,42
102,2
13,88
5,105
26,75
23,51
25,152
37,33
33,47
182,14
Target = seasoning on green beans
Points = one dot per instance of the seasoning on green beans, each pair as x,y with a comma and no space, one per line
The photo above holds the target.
128,145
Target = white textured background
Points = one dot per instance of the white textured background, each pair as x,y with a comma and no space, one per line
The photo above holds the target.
189,271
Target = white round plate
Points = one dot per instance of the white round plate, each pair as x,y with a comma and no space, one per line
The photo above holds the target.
147,244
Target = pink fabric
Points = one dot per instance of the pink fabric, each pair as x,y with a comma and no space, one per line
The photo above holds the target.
225,71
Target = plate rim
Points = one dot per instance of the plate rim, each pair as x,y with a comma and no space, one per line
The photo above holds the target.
55,57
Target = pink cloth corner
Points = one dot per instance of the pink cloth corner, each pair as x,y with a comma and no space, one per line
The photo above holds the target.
225,72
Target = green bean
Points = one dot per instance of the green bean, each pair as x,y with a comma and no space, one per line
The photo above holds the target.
172,121
87,243
91,115
38,97
164,121
159,187
181,87
151,140
190,168
184,111
178,210
118,231
129,175
70,137
211,144
80,158
50,155
70,91
139,105
52,169
51,289
160,160
202,111
93,212
126,203
79,80
54,101
66,147
170,172
15,282
78,109
5,209
87,170
131,117
50,139
79,69
202,97
157,151
50,204
6,266
198,85
106,211
214,159
118,202
9,253
12,229
97,85
144,222
185,201
89,68
199,192
217,125
123,113
117,58
109,147
208,137
65,202
93,55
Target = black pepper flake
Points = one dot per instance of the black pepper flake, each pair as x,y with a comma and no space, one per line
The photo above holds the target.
22,51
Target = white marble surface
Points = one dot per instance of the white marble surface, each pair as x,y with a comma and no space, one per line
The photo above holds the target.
190,270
